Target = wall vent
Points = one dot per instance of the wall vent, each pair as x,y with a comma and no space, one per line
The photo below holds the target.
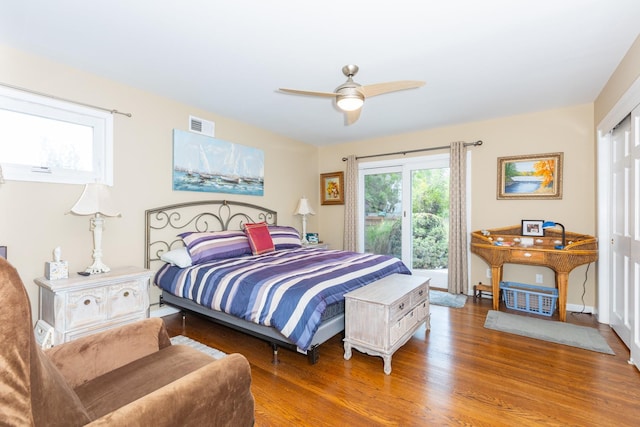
203,127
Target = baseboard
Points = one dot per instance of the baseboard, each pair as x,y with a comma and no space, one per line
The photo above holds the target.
161,311
576,308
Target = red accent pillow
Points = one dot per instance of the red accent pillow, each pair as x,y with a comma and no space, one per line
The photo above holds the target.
259,238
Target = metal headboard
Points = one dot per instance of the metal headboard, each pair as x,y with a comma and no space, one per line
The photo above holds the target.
162,225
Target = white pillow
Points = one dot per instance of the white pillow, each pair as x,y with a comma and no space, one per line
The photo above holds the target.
178,257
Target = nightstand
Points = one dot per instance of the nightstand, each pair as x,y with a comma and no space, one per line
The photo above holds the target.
83,305
316,245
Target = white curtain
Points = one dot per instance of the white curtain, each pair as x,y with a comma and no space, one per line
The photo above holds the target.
350,241
458,274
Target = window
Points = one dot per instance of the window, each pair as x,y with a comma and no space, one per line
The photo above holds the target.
404,211
48,140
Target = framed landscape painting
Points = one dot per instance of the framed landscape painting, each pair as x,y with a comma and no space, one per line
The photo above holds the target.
536,176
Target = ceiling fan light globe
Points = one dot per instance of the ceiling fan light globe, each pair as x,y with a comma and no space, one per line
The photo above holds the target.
350,103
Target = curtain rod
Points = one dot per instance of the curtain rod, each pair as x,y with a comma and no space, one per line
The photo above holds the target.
112,111
466,144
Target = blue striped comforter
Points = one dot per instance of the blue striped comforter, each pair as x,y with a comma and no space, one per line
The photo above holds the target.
287,289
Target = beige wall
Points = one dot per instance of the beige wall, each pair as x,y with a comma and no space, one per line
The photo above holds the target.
623,77
32,220
568,130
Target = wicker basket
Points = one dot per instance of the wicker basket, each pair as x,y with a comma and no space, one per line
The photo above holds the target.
529,298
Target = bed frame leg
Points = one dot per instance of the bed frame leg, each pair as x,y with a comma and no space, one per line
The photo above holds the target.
313,355
275,360
184,319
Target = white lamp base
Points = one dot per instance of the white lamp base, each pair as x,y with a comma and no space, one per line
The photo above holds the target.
98,266
304,230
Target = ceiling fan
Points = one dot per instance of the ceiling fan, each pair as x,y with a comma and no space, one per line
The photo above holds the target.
350,95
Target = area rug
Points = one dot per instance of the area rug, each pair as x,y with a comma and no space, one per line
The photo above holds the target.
548,330
446,299
182,340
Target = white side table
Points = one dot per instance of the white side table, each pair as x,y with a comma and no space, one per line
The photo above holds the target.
316,245
84,305
381,317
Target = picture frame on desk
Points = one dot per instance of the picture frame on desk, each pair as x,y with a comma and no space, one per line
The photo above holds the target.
532,227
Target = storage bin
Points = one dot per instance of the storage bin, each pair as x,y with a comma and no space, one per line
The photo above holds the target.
529,298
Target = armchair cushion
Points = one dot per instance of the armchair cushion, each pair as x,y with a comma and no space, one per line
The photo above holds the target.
106,352
116,388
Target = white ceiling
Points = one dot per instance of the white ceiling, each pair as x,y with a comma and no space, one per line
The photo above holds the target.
480,59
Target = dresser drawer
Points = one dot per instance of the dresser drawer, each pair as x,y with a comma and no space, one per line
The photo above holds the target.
127,298
85,307
527,256
419,295
400,307
402,326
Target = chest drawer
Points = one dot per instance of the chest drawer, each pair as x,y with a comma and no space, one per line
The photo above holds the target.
419,295
85,307
126,298
400,307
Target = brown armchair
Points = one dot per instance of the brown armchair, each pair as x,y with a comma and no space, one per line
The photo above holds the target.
130,375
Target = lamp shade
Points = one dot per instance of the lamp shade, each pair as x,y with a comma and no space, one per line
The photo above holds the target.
304,208
95,199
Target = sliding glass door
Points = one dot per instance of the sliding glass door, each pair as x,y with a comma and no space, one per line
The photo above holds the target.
404,206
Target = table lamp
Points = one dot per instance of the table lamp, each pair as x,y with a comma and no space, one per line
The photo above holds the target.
304,209
551,224
95,200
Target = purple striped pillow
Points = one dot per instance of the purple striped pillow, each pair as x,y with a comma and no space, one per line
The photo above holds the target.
285,237
214,245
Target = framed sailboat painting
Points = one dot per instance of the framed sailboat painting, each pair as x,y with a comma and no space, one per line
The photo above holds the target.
203,163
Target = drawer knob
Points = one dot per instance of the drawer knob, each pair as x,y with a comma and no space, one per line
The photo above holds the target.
421,292
126,294
87,302
401,306
527,254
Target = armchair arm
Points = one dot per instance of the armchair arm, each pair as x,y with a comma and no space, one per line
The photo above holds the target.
88,357
218,394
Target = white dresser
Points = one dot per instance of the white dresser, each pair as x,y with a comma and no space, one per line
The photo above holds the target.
381,317
84,305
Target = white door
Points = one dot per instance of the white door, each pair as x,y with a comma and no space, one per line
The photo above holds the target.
622,211
625,235
634,284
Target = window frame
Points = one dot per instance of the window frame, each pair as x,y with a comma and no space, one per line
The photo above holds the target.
52,108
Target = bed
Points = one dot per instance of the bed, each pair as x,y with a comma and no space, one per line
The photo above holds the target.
286,294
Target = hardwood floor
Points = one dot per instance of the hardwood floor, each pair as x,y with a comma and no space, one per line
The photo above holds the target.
458,373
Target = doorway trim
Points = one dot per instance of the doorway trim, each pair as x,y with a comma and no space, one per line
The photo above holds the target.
627,102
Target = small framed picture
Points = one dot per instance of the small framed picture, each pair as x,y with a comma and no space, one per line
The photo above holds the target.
532,227
332,188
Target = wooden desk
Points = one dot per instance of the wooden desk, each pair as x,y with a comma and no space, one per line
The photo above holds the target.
580,249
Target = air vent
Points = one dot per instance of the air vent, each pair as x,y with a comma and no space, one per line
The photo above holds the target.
203,127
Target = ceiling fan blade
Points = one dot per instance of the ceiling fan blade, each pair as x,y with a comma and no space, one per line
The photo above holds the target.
308,92
353,116
380,88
